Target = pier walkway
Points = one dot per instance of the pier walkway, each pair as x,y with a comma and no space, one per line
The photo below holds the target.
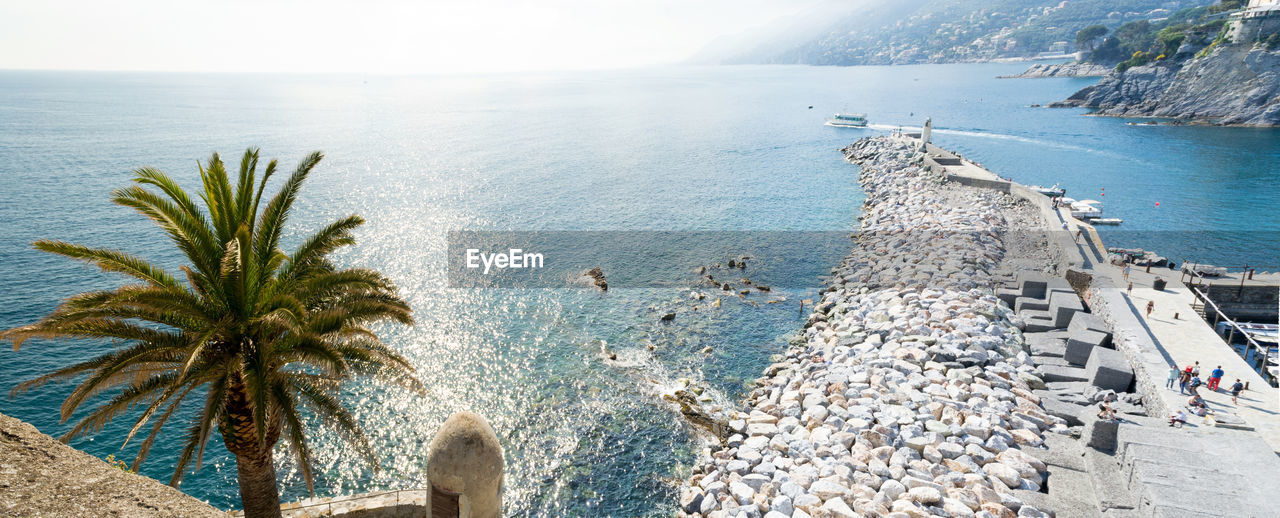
1216,467
1181,341
1189,339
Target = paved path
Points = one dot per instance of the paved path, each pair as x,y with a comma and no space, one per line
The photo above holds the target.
1182,340
1188,339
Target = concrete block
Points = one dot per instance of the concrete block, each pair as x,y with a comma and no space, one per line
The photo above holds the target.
1088,321
1049,348
1082,342
1046,344
1062,306
1108,369
1032,284
1037,325
1068,411
1062,451
1056,373
1008,295
1025,303
1074,387
1041,303
1099,434
1050,360
1058,284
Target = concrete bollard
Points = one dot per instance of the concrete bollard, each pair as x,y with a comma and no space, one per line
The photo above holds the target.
464,469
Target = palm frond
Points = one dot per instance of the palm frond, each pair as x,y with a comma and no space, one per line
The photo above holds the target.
111,261
272,220
329,408
267,335
125,400
189,232
296,433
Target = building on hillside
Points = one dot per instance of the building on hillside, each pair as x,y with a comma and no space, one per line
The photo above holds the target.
1058,47
1257,21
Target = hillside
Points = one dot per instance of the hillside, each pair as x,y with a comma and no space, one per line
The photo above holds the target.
940,31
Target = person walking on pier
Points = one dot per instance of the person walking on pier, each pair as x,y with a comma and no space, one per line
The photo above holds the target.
1215,378
1126,270
1235,390
1151,306
1174,374
1194,386
1195,370
1183,381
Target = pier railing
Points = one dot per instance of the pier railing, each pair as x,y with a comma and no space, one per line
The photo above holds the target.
416,496
1192,276
1260,352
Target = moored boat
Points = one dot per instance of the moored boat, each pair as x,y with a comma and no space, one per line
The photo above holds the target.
1051,192
1086,209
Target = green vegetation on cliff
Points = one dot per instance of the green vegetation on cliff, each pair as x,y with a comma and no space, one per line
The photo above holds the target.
1140,42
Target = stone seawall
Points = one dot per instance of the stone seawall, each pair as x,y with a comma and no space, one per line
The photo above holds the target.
1130,338
41,477
911,391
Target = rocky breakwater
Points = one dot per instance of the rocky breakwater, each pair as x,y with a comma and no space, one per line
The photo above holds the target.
910,394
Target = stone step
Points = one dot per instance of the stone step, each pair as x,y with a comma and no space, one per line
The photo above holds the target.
1060,450
1105,470
1064,409
1197,470
1049,343
1056,373
1070,494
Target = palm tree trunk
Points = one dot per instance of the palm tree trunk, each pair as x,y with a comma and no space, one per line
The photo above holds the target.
254,468
258,494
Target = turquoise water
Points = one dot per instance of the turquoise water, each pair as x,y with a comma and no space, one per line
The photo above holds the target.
729,148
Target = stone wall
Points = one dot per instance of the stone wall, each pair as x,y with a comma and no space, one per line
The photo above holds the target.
40,476
1250,302
1249,30
388,504
1129,336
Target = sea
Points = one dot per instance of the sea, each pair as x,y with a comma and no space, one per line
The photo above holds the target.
570,378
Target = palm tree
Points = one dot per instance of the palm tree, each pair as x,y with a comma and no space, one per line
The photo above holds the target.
260,335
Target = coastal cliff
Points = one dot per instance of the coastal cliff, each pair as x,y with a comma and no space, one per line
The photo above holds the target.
1042,70
40,476
1233,85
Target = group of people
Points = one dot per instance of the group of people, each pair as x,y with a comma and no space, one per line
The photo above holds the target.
1189,382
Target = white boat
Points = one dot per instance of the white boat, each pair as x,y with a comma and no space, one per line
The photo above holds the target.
1048,191
1106,221
848,120
1085,209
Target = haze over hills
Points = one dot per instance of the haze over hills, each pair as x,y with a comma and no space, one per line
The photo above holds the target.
930,31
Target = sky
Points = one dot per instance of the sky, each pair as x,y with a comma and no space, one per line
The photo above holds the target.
372,36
